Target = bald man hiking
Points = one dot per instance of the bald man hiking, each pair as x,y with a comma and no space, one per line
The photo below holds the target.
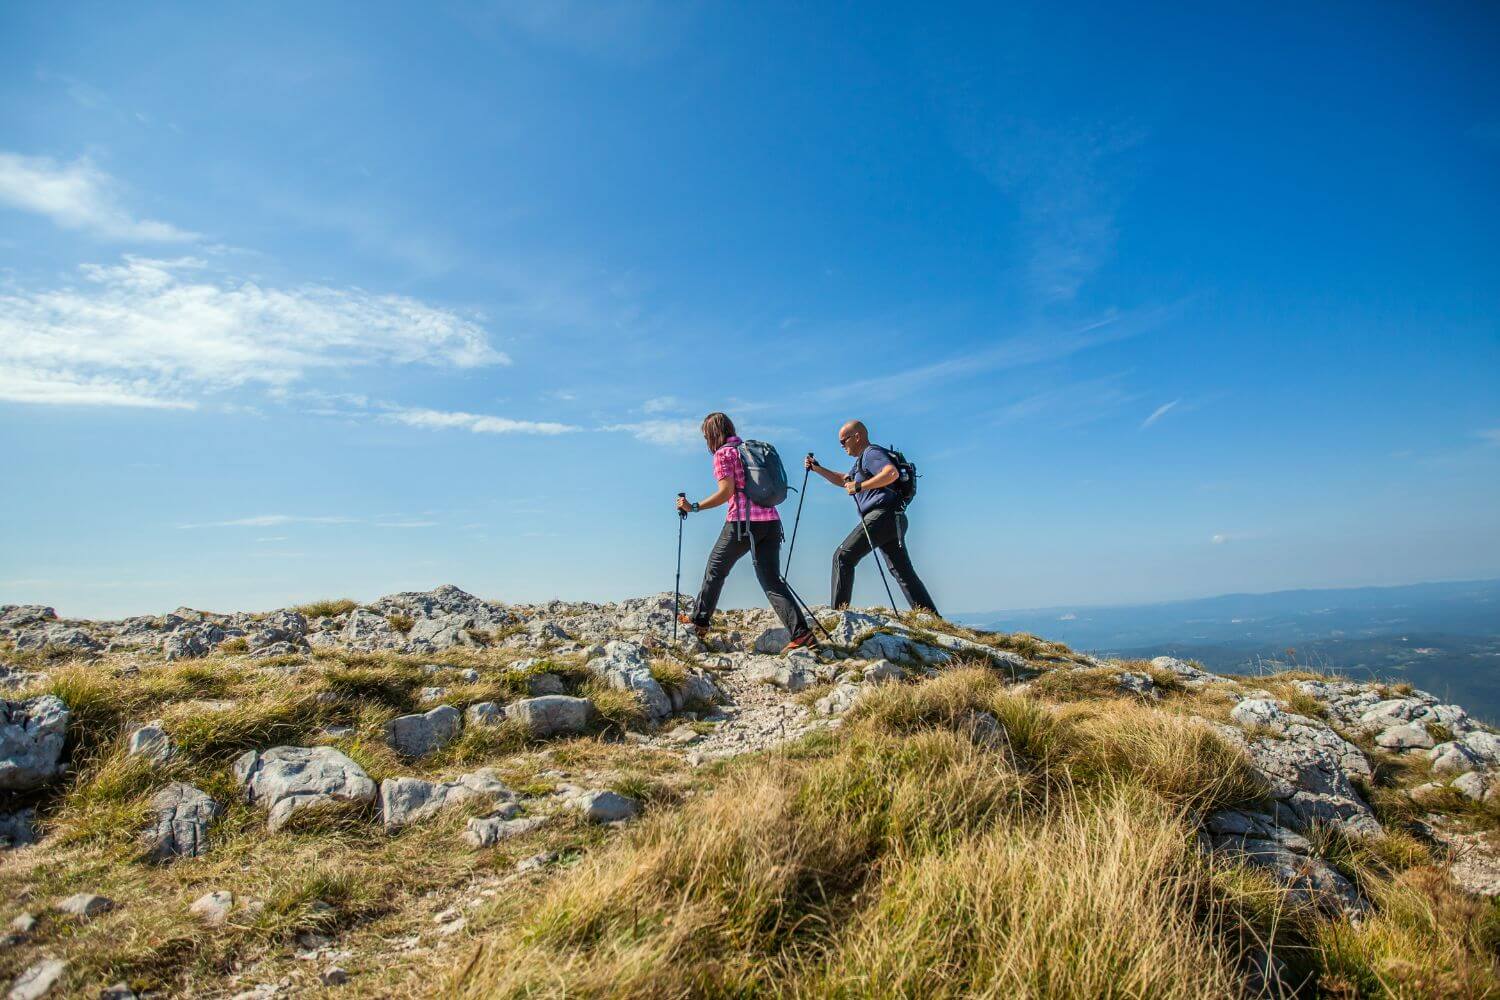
872,483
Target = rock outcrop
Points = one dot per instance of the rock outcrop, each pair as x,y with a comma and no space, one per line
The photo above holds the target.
32,735
288,780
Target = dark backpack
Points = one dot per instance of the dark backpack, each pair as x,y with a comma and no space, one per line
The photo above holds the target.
765,476
906,484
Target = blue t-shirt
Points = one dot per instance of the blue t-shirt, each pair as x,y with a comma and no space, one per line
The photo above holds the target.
871,462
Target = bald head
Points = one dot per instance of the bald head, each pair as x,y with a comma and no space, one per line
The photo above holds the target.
853,437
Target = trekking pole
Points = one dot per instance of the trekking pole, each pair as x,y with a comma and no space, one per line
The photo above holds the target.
873,552
792,546
677,583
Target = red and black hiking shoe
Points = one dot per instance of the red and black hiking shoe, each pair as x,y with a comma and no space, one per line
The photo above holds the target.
801,641
699,630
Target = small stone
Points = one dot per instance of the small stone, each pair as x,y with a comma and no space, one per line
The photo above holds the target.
23,924
1428,794
881,671
86,905
1472,785
604,806
684,735
486,831
452,927
334,976
536,861
213,909
415,735
1408,737
469,676
434,693
119,991
151,741
38,980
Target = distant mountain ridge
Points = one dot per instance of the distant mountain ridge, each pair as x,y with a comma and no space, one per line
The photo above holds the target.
1444,637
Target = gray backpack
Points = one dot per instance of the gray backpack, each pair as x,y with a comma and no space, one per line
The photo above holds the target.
765,476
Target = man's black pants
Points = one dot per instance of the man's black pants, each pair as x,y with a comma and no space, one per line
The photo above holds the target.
888,531
733,543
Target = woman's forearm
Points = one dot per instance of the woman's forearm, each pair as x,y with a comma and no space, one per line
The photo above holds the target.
718,497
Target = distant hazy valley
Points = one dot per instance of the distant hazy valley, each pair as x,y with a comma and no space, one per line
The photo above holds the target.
1441,637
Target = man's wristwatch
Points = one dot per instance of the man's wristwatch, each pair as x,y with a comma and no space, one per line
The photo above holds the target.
693,506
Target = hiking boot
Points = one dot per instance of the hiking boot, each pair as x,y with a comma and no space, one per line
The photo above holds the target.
699,630
802,640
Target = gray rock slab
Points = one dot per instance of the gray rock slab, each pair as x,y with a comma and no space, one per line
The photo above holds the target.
418,734
287,780
486,831
32,734
552,714
404,801
182,815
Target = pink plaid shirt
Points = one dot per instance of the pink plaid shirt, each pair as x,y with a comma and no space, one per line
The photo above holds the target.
727,465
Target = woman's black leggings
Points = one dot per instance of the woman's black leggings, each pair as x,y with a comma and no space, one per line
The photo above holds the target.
733,543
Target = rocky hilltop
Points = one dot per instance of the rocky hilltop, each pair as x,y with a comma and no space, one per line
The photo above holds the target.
437,793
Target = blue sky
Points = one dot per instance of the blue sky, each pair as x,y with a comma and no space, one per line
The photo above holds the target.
341,299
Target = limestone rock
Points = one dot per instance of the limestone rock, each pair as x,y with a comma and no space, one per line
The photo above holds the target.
789,674
1473,785
1191,676
1453,758
38,980
552,714
404,801
369,632
415,735
772,640
213,908
151,740
848,626
484,713
17,829
604,806
443,632
486,831
180,827
838,701
881,671
1289,858
624,665
1308,765
85,904
1408,737
32,734
287,780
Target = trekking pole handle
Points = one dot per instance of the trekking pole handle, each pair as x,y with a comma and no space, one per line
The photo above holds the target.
682,514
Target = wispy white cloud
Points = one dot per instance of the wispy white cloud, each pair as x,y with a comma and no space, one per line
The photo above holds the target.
1065,179
78,195
1070,403
661,404
1006,353
156,332
1489,436
273,521
477,422
667,433
1158,413
31,385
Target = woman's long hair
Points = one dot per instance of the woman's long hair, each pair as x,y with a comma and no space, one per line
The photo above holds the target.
717,428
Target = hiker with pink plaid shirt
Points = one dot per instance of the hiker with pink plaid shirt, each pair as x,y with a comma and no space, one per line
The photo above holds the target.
759,533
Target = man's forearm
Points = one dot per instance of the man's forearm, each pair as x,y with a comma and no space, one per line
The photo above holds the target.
834,478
